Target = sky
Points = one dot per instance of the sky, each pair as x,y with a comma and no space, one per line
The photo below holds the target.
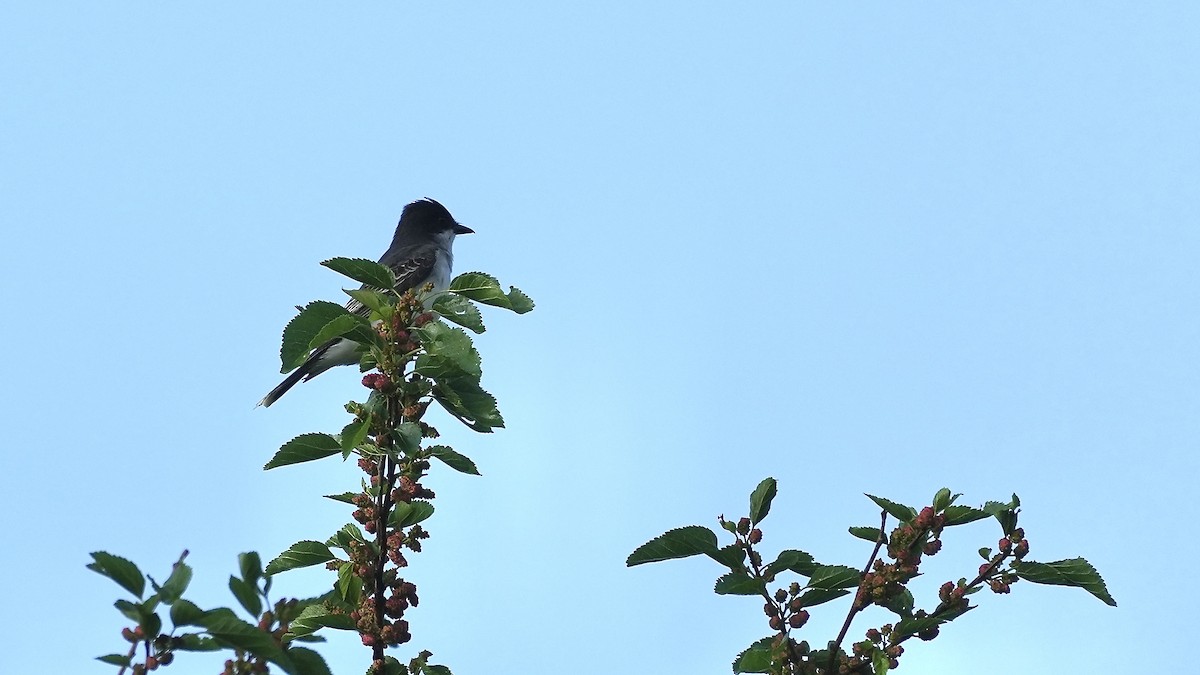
862,247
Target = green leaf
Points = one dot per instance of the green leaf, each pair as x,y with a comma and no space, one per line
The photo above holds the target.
914,624
194,642
250,566
185,613
408,437
315,617
230,630
484,288
790,559
900,512
835,576
901,603
349,585
463,398
307,662
804,566
122,660
739,583
818,596
125,573
371,299
681,542
756,658
363,271
298,334
454,460
391,667
941,500
961,515
871,534
301,554
1074,572
731,556
459,310
880,662
760,500
342,538
449,352
985,553
247,595
345,497
410,513
434,669
177,583
304,448
351,326
518,301
354,433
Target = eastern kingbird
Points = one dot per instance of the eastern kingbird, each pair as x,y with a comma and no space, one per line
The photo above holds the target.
420,253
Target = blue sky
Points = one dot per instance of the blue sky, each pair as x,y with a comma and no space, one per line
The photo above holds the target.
859,247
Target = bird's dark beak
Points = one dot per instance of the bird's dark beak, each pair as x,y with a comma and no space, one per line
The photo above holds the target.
462,229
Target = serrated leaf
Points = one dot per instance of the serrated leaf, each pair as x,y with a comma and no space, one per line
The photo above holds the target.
454,460
122,660
354,433
194,642
301,554
941,500
901,603
961,515
871,534
307,662
247,596
315,617
185,613
738,583
349,585
234,632
835,576
793,560
372,299
298,334
518,301
896,510
760,500
913,625
363,271
304,448
459,310
756,658
449,352
880,661
731,556
678,543
1075,572
350,326
177,583
407,437
463,398
434,669
406,514
124,572
818,596
250,566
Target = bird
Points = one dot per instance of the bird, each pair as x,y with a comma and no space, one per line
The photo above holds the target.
421,253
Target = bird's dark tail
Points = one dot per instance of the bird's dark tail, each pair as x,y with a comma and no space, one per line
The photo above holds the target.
288,382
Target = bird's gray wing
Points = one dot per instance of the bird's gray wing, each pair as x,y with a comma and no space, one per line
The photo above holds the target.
410,273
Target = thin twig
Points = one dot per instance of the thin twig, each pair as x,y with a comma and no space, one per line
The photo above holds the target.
854,608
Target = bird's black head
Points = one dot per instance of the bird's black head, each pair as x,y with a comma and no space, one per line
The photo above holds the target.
427,217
